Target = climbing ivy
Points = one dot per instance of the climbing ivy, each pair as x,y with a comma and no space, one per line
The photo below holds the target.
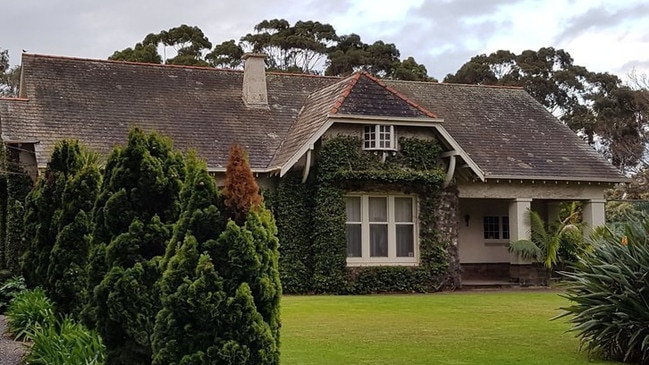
342,166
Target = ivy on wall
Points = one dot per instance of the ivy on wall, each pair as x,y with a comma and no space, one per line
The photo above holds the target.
342,166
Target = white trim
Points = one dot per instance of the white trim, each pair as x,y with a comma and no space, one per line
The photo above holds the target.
314,138
391,259
456,147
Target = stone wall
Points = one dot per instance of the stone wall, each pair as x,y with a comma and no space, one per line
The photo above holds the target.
447,227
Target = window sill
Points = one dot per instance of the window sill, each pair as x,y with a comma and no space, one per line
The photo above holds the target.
365,263
496,242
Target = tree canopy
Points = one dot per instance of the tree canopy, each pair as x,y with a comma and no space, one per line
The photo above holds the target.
304,47
9,76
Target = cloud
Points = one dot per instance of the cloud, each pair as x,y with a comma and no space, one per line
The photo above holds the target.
601,18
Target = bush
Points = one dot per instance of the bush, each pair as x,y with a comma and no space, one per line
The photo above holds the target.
610,294
9,289
28,310
65,343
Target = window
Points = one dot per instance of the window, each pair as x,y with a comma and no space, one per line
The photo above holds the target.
496,227
381,229
379,137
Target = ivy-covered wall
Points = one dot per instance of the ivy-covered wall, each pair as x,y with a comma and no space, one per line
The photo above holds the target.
311,219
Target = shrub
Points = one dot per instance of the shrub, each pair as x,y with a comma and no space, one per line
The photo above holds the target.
9,289
65,343
133,217
29,309
609,292
221,290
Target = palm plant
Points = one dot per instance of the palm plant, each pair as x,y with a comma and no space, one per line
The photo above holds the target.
553,244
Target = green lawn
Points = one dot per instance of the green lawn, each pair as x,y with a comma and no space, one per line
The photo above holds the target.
512,327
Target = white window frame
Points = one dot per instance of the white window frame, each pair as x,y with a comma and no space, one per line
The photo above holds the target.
391,259
501,230
372,138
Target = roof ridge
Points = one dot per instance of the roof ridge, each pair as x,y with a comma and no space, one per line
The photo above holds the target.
459,84
135,63
69,58
345,93
401,96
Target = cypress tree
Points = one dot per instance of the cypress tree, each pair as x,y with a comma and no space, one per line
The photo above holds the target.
223,290
43,208
19,185
133,218
66,272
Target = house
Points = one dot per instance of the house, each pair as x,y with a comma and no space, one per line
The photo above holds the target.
500,154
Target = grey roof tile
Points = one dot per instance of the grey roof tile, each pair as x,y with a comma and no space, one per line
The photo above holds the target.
504,130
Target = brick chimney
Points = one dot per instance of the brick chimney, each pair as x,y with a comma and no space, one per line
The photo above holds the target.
254,80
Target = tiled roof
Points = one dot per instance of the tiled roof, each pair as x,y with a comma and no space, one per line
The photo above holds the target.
509,134
98,102
504,130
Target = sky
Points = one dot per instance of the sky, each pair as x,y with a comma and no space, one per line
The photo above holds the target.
601,35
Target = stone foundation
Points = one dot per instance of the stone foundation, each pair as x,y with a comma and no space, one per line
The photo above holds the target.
486,271
529,274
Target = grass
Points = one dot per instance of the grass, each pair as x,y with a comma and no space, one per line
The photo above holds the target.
509,327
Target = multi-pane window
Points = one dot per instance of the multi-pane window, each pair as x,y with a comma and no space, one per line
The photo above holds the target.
381,229
496,227
379,137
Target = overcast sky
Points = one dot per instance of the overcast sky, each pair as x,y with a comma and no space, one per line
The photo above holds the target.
601,35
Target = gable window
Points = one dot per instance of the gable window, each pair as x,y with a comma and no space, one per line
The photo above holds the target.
496,227
381,230
379,137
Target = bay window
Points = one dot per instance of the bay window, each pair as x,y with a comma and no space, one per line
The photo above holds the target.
381,230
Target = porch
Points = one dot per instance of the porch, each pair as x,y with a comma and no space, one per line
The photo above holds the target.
487,225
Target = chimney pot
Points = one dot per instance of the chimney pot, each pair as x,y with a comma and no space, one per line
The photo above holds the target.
255,94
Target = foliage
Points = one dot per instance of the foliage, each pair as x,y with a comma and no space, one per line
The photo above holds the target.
240,192
139,53
221,289
307,47
293,209
9,289
343,166
189,43
9,76
133,217
329,240
43,211
29,309
18,186
561,242
608,291
65,342
291,48
594,104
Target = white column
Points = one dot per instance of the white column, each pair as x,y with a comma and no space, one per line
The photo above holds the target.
519,223
593,214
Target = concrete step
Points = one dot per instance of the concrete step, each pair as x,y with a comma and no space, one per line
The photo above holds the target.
487,284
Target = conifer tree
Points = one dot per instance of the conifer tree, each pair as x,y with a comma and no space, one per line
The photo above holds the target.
43,207
241,191
18,184
222,301
133,218
66,271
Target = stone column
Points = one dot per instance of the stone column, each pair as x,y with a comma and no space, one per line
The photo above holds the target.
593,214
